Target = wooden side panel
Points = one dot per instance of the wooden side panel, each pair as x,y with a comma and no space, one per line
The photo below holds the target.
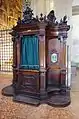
53,77
28,81
55,66
62,54
53,47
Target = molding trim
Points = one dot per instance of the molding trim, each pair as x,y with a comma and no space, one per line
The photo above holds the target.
75,10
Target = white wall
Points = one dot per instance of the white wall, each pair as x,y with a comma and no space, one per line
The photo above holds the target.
75,2
75,38
42,6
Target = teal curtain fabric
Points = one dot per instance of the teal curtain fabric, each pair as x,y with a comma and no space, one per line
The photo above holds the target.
30,52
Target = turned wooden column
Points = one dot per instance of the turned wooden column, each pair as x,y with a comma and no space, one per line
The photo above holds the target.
14,60
16,56
15,40
42,60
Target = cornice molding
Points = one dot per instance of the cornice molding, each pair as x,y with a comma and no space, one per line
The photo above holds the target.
75,10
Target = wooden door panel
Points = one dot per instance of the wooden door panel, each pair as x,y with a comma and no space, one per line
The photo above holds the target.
55,49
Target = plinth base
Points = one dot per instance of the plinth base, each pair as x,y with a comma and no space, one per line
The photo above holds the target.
27,100
8,91
60,100
56,99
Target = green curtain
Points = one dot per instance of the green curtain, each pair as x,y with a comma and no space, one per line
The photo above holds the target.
30,52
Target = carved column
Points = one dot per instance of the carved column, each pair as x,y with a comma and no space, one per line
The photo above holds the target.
16,59
42,58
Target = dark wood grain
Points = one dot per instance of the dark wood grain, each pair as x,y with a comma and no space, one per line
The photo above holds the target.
50,79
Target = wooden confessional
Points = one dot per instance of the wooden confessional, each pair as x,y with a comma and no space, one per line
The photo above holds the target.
39,60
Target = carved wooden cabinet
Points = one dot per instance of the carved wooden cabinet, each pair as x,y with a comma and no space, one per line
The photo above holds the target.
44,81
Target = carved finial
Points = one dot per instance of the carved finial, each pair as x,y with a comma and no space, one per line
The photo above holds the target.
28,2
27,15
37,18
65,19
61,20
51,17
45,18
41,17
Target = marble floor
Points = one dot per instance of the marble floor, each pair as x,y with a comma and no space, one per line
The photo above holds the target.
12,110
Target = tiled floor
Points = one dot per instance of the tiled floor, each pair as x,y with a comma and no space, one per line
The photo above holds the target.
12,110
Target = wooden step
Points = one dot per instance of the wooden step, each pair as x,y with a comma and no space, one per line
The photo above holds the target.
53,89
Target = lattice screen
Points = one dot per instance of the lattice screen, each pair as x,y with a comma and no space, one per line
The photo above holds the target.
6,50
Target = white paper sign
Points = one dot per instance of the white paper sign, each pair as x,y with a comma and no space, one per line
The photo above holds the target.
54,58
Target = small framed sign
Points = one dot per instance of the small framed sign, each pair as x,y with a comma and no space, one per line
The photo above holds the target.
54,57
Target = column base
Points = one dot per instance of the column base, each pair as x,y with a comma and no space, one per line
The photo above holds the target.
26,99
8,90
60,100
43,95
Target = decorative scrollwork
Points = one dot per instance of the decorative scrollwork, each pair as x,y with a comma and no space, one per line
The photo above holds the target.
64,20
51,19
41,17
15,35
27,17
